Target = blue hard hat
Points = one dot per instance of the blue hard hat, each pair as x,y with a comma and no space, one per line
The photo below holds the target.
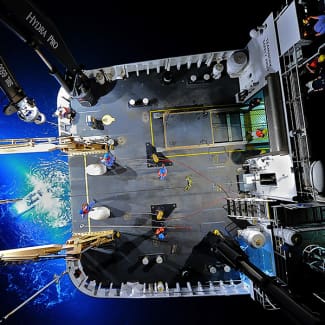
106,155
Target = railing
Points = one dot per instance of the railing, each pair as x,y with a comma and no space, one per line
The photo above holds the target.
122,71
294,105
157,289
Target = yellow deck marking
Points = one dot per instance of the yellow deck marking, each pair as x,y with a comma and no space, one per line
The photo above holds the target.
151,129
204,153
86,185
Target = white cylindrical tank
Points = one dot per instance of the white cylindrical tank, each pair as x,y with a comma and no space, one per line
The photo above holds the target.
236,63
253,237
212,269
290,236
253,33
159,259
217,71
145,260
227,268
193,77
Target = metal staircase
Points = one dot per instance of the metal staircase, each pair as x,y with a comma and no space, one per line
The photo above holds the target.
251,209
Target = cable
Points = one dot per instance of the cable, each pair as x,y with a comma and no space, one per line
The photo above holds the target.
56,279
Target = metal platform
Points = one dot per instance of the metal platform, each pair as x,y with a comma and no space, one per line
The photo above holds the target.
185,133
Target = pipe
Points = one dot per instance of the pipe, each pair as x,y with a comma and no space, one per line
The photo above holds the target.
274,110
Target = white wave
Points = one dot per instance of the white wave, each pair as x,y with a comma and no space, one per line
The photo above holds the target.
50,182
52,206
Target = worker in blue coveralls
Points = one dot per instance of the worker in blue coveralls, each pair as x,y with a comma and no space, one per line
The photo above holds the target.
319,26
161,233
162,173
108,160
86,207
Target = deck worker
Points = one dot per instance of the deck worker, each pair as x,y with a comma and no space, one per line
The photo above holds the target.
65,112
161,233
189,182
316,65
108,160
319,26
316,85
86,207
162,172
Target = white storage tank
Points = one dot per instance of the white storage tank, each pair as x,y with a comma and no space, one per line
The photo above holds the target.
253,236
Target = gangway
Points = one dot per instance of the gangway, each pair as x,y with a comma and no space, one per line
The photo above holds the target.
68,145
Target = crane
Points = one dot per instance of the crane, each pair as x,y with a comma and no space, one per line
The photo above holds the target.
27,21
74,247
25,107
228,251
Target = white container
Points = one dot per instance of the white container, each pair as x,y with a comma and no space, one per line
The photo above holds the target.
217,70
290,236
96,169
99,213
253,237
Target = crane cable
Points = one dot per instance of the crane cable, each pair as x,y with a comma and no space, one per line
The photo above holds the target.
56,279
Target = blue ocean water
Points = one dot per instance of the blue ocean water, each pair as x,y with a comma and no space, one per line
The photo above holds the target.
97,37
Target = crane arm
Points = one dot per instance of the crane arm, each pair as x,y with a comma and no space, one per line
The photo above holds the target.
229,251
73,247
18,101
38,31
33,27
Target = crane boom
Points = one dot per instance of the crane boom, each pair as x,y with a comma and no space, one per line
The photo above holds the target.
39,32
18,101
229,251
73,247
